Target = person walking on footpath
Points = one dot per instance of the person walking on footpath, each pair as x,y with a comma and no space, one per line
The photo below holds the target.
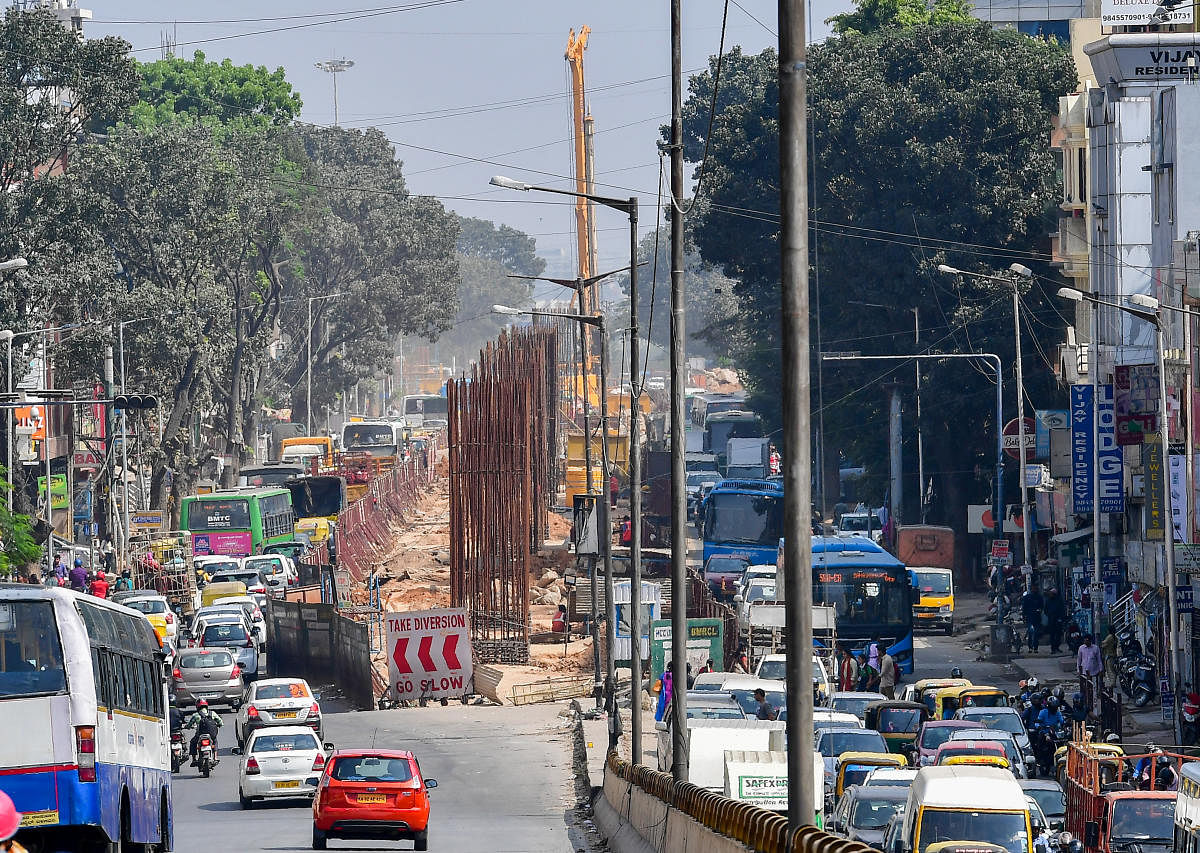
1108,654
889,674
1056,615
1031,611
1089,665
848,679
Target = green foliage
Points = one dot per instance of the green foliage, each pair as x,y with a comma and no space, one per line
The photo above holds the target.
215,93
514,250
870,16
17,545
929,131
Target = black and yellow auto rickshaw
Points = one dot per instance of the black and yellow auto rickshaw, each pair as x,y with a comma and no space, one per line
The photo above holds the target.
950,699
897,721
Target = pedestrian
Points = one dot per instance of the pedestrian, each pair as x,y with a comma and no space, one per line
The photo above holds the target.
78,576
707,668
560,624
765,710
34,580
868,676
1055,611
741,663
614,487
59,568
1031,611
99,586
873,654
1088,664
627,531
848,679
664,694
889,674
1108,654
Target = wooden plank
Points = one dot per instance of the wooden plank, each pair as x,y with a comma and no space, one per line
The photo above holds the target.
552,689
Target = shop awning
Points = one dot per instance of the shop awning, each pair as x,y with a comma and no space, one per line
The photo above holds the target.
1071,535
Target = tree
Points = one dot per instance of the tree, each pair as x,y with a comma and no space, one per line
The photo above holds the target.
870,16
929,142
18,547
216,93
514,250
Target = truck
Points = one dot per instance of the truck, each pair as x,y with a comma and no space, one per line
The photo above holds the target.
1108,817
301,450
928,551
708,739
760,778
722,426
747,458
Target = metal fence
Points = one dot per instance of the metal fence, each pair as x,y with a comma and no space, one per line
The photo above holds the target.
503,423
315,643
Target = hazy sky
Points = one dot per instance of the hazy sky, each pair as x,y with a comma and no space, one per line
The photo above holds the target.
451,80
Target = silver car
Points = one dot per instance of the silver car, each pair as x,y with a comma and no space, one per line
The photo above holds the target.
237,637
209,674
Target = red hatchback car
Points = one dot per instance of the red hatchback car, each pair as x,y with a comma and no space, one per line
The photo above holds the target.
372,793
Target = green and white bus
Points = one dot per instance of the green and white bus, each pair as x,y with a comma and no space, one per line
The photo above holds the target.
238,522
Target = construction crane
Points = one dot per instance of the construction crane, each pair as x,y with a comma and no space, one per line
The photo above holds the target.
584,227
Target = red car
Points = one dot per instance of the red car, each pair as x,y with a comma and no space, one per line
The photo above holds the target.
372,793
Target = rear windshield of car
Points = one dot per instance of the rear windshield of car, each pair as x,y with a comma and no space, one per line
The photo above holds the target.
147,605
212,660
294,690
219,567
370,769
835,743
248,578
224,635
934,736
283,743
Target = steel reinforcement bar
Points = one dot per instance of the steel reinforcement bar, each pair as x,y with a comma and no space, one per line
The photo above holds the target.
758,829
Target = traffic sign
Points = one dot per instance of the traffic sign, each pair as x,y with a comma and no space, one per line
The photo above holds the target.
429,654
1000,548
1012,438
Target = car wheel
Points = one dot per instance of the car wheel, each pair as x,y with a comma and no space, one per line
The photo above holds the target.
319,841
244,801
421,840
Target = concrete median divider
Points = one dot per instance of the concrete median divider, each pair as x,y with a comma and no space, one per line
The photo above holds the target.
640,810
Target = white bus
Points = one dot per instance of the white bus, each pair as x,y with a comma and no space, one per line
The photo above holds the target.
425,410
83,703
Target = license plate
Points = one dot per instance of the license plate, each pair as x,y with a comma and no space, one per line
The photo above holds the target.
293,784
285,715
372,798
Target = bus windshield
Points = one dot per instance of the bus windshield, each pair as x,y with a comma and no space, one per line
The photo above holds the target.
751,519
369,435
220,514
31,657
862,596
1008,829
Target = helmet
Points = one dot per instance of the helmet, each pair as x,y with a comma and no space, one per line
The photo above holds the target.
956,673
1059,693
1036,699
1027,705
100,575
1112,737
203,703
1032,684
1164,761
1021,684
1052,703
1045,692
1076,698
10,818
78,562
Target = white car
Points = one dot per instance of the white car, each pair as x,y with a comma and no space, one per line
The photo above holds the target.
213,615
762,571
278,763
250,605
278,571
277,702
158,611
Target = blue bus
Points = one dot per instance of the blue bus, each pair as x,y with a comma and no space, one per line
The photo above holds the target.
743,518
869,589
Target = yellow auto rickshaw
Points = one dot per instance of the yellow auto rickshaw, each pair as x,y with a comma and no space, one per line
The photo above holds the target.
981,760
853,767
925,690
949,699
964,847
1110,755
897,721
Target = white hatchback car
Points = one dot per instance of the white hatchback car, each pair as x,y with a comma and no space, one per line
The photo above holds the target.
277,702
279,763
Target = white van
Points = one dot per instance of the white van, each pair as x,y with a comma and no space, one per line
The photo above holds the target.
965,803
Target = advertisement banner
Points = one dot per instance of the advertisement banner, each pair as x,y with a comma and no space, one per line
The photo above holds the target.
221,544
1136,404
1112,576
1178,486
1082,433
1162,62
1156,481
1111,458
1045,420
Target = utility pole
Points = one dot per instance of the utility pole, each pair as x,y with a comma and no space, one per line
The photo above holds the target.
920,440
635,500
895,457
335,67
679,576
797,489
1021,456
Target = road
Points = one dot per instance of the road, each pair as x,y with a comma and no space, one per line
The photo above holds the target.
504,784
937,654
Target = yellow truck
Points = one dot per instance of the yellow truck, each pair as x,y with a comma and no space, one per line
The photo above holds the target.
303,449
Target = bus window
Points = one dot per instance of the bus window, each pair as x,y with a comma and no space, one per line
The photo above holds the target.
31,658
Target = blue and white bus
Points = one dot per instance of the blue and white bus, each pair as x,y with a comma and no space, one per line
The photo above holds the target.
743,518
83,705
870,591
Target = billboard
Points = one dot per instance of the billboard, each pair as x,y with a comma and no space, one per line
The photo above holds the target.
1109,457
1141,13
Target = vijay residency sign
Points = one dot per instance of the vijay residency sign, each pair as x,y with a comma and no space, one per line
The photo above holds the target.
1084,430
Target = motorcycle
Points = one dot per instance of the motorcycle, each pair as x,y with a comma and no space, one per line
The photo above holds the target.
1189,719
1047,742
176,751
1137,679
206,755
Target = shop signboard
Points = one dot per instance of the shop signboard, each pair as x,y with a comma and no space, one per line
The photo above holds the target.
705,640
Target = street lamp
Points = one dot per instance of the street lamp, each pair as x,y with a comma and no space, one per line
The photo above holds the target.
629,206
309,329
605,521
1021,271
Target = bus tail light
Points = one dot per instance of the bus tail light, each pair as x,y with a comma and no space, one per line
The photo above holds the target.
85,746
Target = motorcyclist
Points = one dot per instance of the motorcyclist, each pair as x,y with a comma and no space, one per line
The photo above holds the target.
1029,715
176,717
1050,717
205,723
956,673
1166,779
1078,712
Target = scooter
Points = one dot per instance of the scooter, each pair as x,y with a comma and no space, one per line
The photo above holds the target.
1189,719
176,751
206,756
1138,680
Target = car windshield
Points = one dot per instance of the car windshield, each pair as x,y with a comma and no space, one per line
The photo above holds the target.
224,635
701,478
725,566
147,605
215,567
1007,829
31,657
200,660
714,713
934,583
283,743
1141,820
998,720
934,736
248,578
773,670
858,523
874,814
899,720
369,435
371,769
835,743
761,592
1010,747
291,690
1053,803
777,699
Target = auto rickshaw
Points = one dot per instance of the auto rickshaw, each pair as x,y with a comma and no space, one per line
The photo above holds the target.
981,760
925,690
897,721
949,699
1110,755
853,767
964,847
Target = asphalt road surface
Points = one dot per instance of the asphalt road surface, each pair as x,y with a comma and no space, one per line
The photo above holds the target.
504,784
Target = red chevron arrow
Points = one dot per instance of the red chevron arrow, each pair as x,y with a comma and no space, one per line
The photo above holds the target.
423,656
449,651
400,655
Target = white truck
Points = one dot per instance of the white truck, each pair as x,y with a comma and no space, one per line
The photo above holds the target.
760,778
709,739
747,458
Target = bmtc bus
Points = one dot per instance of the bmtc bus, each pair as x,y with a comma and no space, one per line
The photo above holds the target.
743,518
238,522
83,705
869,590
